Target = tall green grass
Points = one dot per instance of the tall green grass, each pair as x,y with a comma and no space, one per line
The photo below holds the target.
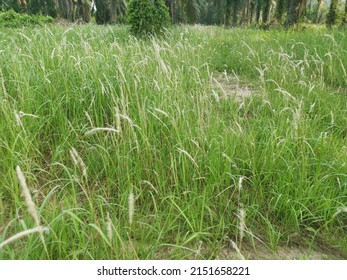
129,154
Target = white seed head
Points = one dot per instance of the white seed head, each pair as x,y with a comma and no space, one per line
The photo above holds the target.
89,118
18,119
131,207
74,159
236,249
109,227
242,225
26,193
21,234
97,129
78,161
240,182
188,155
340,210
118,121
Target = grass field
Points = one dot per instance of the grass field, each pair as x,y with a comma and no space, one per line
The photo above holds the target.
149,149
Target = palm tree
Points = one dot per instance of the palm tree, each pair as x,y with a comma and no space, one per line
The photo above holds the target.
84,7
51,8
103,14
117,8
292,17
332,15
318,12
227,21
252,11
266,12
184,9
66,9
245,17
235,12
192,10
280,7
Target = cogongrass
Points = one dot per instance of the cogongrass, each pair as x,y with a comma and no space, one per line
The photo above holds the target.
199,161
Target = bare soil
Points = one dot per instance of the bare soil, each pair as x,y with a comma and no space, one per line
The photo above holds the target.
229,86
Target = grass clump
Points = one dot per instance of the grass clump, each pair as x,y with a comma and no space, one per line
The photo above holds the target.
14,20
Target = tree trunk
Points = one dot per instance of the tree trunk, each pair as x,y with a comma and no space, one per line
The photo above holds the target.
266,12
280,10
292,13
113,9
332,16
228,13
245,12
171,4
252,10
258,10
51,8
179,11
301,8
85,10
23,4
318,12
103,15
235,10
62,5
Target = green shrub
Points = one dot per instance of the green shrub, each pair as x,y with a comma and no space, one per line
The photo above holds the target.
148,17
14,20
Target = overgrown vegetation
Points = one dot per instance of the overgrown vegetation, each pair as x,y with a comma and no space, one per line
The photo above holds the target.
15,20
138,149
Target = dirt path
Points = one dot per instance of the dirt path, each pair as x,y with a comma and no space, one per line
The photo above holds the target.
229,86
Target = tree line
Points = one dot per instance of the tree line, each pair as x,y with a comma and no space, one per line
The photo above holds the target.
229,13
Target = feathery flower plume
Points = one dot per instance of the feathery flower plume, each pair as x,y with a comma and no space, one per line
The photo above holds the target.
18,120
340,210
74,159
21,234
79,162
3,86
296,119
237,249
166,70
26,193
118,121
109,227
240,183
89,118
188,155
97,129
22,114
162,112
242,225
131,207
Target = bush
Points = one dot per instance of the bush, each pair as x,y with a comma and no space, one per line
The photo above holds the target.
15,20
148,17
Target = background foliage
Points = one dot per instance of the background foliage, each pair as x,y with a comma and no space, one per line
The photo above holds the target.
230,13
12,19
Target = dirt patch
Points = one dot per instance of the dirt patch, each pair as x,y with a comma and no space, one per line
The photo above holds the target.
229,86
281,253
259,252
